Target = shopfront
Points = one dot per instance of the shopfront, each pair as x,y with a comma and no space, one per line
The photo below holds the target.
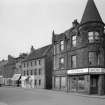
16,80
89,82
60,83
77,83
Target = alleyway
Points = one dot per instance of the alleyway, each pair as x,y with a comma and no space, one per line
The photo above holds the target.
19,96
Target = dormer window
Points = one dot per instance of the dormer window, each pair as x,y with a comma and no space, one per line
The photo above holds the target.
93,37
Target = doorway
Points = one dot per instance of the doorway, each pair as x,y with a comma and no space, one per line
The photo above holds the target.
94,84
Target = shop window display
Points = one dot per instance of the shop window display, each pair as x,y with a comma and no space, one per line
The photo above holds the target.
63,82
57,82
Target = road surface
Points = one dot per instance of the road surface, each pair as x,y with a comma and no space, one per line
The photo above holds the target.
19,96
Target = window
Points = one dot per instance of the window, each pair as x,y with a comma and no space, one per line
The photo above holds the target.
27,64
35,72
81,82
24,73
27,72
40,71
93,37
31,72
24,64
73,61
62,62
35,62
35,82
93,58
61,45
31,63
39,82
39,62
74,41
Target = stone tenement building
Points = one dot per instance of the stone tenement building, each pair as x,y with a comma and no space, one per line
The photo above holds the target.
79,55
37,68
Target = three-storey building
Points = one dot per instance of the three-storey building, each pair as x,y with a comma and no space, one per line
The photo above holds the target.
37,68
79,55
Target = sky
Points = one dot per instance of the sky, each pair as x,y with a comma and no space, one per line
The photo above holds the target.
30,22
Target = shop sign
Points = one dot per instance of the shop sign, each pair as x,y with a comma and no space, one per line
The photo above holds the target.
75,71
96,70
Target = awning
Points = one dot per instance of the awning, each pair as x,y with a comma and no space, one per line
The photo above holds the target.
16,77
23,78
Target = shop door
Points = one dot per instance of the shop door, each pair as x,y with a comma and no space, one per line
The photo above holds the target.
94,84
74,84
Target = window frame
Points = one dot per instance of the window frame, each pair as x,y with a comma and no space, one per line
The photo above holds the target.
93,37
74,40
96,58
62,63
61,45
72,61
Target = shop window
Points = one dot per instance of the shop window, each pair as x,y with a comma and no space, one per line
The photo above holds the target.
74,41
81,83
57,82
74,83
62,45
93,37
63,82
73,61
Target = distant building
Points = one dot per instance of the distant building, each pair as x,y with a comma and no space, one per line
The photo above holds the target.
79,55
18,71
37,68
2,63
12,70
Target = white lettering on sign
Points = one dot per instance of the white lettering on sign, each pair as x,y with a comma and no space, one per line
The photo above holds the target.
86,70
74,71
96,70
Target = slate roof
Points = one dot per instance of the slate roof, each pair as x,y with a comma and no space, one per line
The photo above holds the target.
38,53
91,13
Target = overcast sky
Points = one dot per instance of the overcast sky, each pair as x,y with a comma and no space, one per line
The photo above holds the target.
30,22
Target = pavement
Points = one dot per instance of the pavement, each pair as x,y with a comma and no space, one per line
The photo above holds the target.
20,96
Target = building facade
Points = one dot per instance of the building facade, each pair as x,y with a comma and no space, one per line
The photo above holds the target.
16,79
79,55
2,63
37,68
